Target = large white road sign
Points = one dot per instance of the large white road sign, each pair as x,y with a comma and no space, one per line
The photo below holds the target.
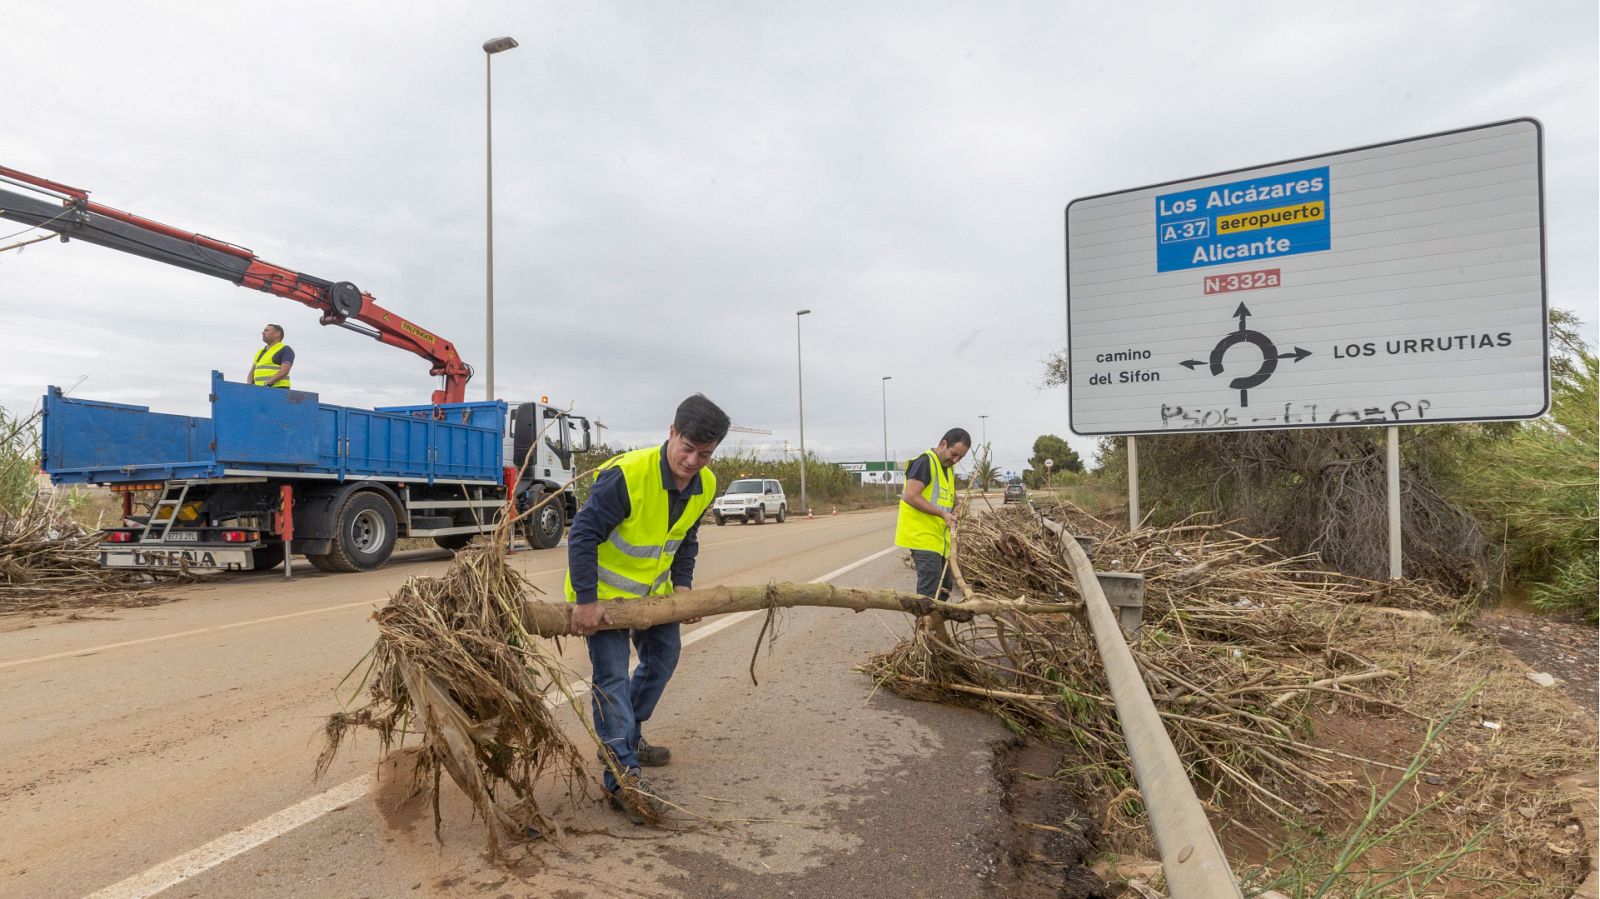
1401,283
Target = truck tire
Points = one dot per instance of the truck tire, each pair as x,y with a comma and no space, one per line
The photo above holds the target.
454,542
719,519
783,513
266,558
364,538
544,527
761,514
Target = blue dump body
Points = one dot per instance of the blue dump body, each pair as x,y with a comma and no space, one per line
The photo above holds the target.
272,432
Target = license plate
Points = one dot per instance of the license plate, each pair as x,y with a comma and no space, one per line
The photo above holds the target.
198,558
183,537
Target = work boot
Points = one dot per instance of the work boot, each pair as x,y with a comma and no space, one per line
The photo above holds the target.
637,799
651,755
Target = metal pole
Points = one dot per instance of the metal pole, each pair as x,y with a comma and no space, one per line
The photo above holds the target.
490,48
1133,483
885,384
488,158
1393,435
800,381
984,423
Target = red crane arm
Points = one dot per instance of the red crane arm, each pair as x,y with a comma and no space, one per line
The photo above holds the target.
340,302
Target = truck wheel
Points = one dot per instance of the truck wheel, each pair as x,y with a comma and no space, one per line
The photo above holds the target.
365,537
453,542
543,528
761,514
783,513
719,520
266,558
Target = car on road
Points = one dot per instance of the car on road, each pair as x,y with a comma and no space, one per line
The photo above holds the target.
751,500
1015,494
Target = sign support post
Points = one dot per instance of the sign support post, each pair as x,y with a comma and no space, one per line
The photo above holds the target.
1133,483
1395,568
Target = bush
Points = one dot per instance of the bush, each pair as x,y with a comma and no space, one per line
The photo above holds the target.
19,453
827,485
1537,485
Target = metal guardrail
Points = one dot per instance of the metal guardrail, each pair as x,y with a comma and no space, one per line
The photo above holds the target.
1191,856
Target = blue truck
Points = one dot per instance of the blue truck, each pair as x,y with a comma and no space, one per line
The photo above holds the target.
275,471
357,479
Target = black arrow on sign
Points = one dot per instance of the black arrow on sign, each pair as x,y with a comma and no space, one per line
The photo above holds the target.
1191,363
1298,354
1241,314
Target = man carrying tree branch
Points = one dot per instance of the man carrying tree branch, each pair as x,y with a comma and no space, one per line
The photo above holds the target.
637,536
927,512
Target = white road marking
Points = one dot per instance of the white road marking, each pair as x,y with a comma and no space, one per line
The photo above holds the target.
174,871
91,650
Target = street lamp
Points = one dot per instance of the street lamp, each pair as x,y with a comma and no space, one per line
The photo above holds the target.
490,48
885,385
984,423
800,381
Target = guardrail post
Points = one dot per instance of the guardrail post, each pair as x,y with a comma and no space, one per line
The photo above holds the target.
1125,592
1088,543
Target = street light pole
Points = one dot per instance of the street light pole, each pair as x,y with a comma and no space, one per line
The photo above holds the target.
984,423
490,48
885,385
800,383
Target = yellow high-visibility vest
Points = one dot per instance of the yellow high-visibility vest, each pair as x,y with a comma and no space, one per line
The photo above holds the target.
916,529
636,558
265,368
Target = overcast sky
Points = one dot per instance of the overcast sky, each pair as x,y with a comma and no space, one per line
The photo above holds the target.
674,180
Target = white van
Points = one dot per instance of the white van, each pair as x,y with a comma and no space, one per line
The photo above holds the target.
751,500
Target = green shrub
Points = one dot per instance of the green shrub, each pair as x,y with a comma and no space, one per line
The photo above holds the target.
1536,486
19,453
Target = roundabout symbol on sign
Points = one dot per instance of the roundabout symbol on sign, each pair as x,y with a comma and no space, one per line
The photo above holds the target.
1269,356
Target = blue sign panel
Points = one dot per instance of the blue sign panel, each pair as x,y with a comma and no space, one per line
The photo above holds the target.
1246,221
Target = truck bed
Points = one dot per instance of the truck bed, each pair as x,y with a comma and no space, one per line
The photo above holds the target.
272,432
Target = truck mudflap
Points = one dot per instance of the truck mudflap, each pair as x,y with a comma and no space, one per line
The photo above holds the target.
167,556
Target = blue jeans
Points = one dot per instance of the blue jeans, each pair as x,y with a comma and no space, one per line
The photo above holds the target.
623,704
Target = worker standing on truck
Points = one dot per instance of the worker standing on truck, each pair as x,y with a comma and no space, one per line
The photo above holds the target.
273,361
927,512
637,536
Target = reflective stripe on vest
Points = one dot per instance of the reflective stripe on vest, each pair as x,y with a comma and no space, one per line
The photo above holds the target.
265,368
916,529
636,558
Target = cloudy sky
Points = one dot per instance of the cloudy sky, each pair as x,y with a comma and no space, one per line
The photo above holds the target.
674,180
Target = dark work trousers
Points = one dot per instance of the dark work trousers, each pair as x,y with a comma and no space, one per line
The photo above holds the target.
622,704
932,572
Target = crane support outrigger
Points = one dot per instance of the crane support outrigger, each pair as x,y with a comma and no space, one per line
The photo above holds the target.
74,216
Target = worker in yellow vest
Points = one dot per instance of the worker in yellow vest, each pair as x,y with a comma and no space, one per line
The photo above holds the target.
273,361
637,536
927,512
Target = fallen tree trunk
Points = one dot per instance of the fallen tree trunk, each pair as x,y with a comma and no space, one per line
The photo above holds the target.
554,619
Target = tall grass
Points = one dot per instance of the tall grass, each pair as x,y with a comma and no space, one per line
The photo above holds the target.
19,451
827,485
1540,485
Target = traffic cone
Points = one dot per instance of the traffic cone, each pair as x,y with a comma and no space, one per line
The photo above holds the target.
836,510
809,516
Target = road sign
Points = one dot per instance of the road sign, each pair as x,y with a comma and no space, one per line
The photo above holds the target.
1401,283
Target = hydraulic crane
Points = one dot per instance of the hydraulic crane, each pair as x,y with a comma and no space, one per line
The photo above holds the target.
73,215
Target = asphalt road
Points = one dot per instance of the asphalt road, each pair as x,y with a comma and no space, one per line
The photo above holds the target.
169,751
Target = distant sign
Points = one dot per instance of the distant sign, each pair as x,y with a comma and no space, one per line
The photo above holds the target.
1400,283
